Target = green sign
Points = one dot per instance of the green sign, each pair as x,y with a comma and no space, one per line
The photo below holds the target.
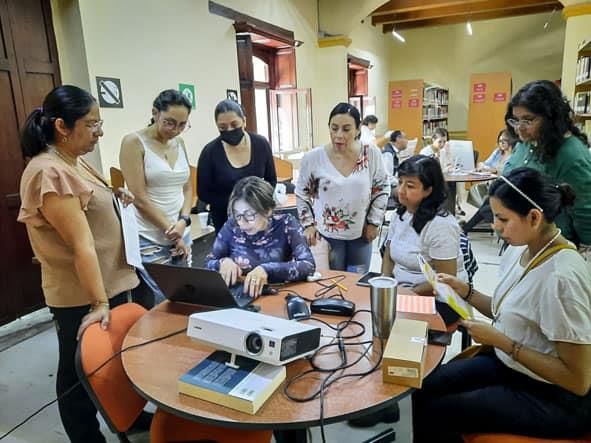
189,92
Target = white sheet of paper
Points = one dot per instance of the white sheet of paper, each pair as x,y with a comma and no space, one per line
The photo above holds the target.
131,237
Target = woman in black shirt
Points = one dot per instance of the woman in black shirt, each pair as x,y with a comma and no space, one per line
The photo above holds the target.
228,158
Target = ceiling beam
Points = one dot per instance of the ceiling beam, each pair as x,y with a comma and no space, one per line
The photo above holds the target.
473,17
397,6
449,11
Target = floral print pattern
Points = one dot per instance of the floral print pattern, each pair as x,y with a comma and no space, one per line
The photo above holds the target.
337,219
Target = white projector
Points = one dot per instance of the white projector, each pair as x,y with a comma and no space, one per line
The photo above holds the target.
261,337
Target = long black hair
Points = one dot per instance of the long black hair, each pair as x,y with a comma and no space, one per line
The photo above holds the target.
70,103
428,171
168,98
540,188
228,106
544,98
346,108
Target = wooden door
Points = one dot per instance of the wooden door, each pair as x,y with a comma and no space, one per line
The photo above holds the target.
28,71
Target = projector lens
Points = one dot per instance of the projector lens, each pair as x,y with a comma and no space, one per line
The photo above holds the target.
254,343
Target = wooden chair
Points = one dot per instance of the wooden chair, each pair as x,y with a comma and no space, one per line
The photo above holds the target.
117,180
119,403
507,438
283,169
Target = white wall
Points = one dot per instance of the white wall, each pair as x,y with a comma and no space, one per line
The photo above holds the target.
448,56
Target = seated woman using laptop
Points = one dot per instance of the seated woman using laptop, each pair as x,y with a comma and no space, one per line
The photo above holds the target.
257,246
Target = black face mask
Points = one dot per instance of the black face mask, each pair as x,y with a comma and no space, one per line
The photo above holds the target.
232,137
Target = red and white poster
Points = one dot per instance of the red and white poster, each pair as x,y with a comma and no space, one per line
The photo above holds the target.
478,98
396,103
480,87
413,103
500,97
396,93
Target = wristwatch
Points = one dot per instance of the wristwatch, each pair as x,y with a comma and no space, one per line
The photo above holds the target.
186,218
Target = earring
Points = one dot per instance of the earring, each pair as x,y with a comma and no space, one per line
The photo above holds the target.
64,139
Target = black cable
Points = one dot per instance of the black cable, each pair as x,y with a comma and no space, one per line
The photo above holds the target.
78,383
335,374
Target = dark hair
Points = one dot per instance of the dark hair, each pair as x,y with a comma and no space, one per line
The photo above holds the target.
70,103
552,198
428,171
168,98
545,99
228,106
369,119
439,133
346,108
394,135
255,191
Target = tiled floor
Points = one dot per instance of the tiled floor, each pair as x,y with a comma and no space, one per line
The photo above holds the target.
27,376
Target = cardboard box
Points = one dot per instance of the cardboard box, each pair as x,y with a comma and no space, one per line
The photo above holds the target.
404,356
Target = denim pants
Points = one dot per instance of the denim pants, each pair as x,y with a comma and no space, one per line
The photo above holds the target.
350,255
153,252
483,395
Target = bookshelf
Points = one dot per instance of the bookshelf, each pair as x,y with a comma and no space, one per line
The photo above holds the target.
417,108
582,98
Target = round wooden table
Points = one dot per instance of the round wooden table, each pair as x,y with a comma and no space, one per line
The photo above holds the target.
155,369
452,179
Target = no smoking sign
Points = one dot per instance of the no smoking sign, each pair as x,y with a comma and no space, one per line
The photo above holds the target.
109,92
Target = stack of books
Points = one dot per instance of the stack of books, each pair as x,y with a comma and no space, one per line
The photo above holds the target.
245,388
582,103
583,69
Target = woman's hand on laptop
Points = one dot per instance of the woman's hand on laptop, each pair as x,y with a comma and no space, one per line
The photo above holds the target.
254,281
230,271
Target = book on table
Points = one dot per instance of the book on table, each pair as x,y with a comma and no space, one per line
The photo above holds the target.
245,388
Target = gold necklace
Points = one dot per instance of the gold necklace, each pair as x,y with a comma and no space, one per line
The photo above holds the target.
78,166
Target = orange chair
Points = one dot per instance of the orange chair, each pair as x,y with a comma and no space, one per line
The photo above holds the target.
118,402
193,170
117,180
283,169
507,438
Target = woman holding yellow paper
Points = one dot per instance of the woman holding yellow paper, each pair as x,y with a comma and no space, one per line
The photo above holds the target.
536,378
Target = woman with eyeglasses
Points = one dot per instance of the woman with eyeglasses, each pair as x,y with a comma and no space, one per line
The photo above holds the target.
551,143
233,155
155,166
75,233
497,159
533,378
257,247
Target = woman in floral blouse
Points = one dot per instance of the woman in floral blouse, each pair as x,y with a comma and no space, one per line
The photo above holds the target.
257,246
342,192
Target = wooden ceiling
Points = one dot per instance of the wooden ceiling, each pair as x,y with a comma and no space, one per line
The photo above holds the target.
407,14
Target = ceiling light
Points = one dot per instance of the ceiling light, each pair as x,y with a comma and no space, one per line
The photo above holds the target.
398,36
469,28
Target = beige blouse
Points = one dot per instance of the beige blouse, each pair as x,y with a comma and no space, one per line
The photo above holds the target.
47,173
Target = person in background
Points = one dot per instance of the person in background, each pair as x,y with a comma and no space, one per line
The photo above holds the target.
398,143
233,155
535,376
155,166
257,246
342,192
551,143
75,233
422,226
496,161
368,130
439,148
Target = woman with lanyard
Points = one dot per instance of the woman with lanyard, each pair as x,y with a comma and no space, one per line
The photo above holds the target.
535,376
156,169
75,233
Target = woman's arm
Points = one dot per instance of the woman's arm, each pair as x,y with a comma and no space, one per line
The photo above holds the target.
306,191
64,213
480,301
270,173
571,370
449,267
187,187
380,188
131,159
301,263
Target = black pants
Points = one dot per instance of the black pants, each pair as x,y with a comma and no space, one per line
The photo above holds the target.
77,411
484,213
481,394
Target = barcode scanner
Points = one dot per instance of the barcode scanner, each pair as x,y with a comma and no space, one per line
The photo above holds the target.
297,309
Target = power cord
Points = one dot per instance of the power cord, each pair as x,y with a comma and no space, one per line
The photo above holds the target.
335,373
78,383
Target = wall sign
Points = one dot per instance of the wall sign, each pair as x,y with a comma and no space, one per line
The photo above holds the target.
500,97
478,98
479,87
232,94
189,92
397,93
396,103
109,92
413,103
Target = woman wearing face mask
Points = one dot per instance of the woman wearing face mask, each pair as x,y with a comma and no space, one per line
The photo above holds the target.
342,192
256,246
233,155
550,143
155,167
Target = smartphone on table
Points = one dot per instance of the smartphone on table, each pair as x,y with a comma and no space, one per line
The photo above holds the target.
364,280
440,338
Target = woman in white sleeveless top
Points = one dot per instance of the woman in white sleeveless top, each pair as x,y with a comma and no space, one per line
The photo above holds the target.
155,167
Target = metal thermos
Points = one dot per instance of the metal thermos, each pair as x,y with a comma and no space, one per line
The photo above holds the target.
383,291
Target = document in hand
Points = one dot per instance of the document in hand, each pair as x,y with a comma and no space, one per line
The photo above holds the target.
444,292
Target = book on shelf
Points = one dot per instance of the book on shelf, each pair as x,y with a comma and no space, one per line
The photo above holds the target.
245,388
583,69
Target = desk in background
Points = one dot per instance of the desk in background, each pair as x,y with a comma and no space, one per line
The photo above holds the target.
452,179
